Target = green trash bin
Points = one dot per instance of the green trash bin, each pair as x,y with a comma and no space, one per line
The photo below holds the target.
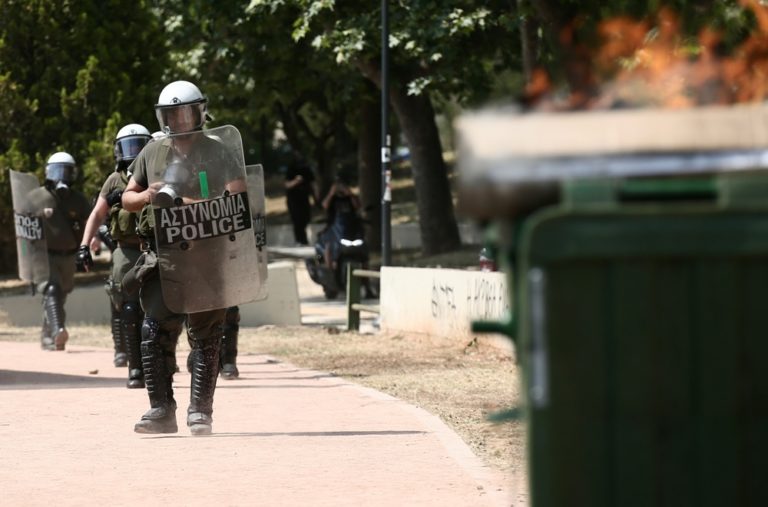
641,325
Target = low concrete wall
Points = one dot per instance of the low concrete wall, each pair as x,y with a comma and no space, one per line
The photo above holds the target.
441,302
282,304
89,305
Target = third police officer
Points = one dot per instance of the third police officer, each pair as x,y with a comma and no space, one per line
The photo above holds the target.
64,211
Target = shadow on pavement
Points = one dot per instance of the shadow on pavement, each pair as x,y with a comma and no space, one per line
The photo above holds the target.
251,377
382,433
230,385
10,380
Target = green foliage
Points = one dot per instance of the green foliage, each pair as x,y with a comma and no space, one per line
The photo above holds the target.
76,63
70,71
73,71
581,19
451,47
261,80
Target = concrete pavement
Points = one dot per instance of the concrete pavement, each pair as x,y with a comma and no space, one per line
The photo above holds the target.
282,436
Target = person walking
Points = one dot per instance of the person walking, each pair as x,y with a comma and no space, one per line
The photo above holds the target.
64,212
191,165
298,190
129,142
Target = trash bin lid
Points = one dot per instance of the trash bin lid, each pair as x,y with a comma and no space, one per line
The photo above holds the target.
512,162
506,146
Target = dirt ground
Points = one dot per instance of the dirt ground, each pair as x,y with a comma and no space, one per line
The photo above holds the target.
460,383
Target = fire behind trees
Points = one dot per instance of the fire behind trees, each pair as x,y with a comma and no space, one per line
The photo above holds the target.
652,62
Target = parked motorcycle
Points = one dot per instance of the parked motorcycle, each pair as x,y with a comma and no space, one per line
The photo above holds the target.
343,244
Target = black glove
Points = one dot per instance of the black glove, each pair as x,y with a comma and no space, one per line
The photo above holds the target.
83,259
114,197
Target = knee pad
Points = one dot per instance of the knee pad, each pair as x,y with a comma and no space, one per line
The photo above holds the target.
52,289
150,328
153,334
131,313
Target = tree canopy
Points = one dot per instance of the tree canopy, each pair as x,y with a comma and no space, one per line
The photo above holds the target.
301,75
71,73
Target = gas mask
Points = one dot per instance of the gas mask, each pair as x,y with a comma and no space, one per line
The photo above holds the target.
61,189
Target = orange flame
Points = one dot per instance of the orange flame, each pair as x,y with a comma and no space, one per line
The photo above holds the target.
640,63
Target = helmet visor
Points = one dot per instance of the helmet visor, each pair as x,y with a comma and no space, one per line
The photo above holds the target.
60,172
181,118
129,147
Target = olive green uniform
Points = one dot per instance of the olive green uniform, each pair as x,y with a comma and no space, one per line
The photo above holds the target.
161,325
123,231
124,257
63,231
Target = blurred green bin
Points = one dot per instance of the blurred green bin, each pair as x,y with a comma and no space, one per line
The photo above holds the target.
641,325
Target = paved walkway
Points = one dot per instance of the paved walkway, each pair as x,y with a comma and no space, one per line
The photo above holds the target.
283,436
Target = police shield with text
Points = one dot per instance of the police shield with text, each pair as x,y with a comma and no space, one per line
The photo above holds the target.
31,247
228,355
191,190
63,211
201,221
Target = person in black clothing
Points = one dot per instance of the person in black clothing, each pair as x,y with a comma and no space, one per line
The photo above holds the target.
341,206
298,189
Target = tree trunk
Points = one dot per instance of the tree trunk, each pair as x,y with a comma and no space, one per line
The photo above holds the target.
437,223
528,43
439,232
369,164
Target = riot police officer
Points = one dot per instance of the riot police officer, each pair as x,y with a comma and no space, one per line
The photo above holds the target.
127,313
182,110
64,211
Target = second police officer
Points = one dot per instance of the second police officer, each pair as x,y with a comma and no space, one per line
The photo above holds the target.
129,142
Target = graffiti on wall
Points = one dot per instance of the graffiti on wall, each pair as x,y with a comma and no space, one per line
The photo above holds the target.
443,299
454,304
487,299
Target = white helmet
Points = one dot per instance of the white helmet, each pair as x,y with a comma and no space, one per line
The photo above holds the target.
61,168
129,141
181,108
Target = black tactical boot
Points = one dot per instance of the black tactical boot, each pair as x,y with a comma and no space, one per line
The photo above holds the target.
161,417
130,320
121,358
53,305
228,353
204,359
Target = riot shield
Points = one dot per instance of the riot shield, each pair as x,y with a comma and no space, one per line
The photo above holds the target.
204,228
31,246
255,178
